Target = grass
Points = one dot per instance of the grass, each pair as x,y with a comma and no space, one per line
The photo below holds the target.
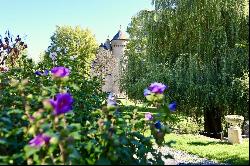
213,149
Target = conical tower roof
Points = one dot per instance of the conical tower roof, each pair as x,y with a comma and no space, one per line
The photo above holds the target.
120,36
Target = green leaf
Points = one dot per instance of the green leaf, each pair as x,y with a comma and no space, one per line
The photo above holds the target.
75,135
30,150
15,111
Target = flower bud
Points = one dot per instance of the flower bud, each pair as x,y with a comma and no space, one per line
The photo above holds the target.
32,130
150,97
30,96
24,117
37,114
13,82
54,140
44,93
46,104
159,97
100,122
25,81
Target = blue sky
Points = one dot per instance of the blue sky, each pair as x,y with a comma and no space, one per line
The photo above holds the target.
38,18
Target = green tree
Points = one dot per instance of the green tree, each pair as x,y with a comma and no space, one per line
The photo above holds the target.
73,45
137,53
199,48
75,48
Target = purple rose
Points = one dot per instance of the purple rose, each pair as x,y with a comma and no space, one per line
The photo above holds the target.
39,140
148,116
172,106
62,104
60,71
157,87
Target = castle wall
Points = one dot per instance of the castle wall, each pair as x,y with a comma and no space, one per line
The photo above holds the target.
107,66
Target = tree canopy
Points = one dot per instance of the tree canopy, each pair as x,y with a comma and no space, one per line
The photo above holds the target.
72,45
198,48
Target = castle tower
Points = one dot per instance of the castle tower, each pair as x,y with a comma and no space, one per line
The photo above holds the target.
118,45
107,64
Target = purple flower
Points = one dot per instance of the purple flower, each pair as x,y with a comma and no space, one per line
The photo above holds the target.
38,73
148,116
39,140
111,100
31,118
46,72
46,139
158,124
53,56
157,87
60,71
146,92
172,106
62,104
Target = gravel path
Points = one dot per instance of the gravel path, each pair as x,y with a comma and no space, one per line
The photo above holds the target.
183,158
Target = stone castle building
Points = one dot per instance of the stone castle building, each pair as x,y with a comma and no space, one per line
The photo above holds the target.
109,62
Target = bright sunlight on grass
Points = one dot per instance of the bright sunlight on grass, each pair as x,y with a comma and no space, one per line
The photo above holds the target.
210,148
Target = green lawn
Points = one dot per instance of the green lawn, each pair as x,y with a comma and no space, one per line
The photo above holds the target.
210,148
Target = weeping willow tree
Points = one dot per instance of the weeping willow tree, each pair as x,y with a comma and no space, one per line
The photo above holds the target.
200,49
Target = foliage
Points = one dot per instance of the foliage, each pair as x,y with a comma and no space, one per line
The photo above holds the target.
73,46
136,74
188,125
31,132
199,47
213,149
22,90
10,50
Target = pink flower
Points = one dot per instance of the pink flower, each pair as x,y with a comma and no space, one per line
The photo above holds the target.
39,140
60,71
157,87
148,116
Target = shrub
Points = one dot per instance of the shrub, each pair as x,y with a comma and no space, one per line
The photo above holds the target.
188,125
39,126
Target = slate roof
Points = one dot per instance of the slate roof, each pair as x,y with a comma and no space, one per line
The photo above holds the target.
119,36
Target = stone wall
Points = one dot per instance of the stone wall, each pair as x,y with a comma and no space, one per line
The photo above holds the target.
105,67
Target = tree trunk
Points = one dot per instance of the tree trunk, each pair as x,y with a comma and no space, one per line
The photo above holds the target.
212,122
